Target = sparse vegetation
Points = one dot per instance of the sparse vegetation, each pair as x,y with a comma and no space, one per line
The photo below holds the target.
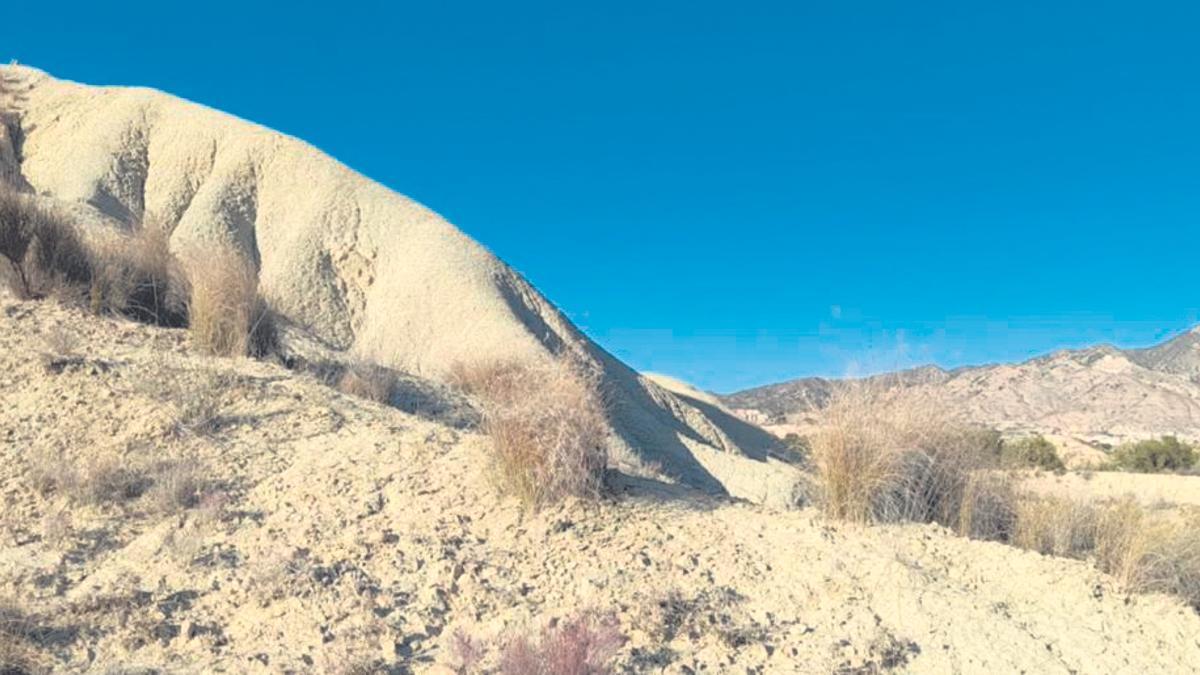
170,484
226,316
880,463
1032,452
547,424
197,401
1167,453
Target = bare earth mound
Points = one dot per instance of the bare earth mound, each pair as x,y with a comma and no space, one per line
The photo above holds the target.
334,532
364,269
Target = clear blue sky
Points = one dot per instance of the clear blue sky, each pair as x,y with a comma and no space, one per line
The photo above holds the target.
738,193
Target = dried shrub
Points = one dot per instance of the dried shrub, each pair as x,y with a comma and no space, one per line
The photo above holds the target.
881,461
226,316
198,403
467,651
583,644
988,507
367,381
110,479
137,276
172,484
547,424
579,645
195,399
44,252
178,485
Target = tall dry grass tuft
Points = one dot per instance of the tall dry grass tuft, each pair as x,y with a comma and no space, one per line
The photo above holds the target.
880,460
1055,526
1149,554
137,276
547,423
226,316
1143,551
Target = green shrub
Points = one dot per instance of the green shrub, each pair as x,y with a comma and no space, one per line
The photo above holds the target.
1154,455
1031,451
799,447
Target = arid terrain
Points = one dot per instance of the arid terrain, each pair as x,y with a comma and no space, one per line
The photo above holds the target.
422,466
343,532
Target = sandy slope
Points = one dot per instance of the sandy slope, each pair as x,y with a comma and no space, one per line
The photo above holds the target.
365,269
357,532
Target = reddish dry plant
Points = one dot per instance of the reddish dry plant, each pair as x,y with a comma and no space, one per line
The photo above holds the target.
584,644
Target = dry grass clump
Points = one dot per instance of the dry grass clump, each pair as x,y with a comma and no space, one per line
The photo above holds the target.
881,461
44,253
1055,526
226,316
198,400
18,655
1148,554
368,381
547,423
179,485
1144,552
138,277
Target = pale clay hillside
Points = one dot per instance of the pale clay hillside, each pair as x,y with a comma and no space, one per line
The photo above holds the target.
169,510
362,268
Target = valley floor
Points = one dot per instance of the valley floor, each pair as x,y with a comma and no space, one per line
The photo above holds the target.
337,532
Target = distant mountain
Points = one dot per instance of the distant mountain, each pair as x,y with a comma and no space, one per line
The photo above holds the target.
1100,394
810,394
1180,356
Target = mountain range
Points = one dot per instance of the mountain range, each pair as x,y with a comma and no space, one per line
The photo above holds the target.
1096,396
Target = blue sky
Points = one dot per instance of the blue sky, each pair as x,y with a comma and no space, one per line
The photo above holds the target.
737,193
